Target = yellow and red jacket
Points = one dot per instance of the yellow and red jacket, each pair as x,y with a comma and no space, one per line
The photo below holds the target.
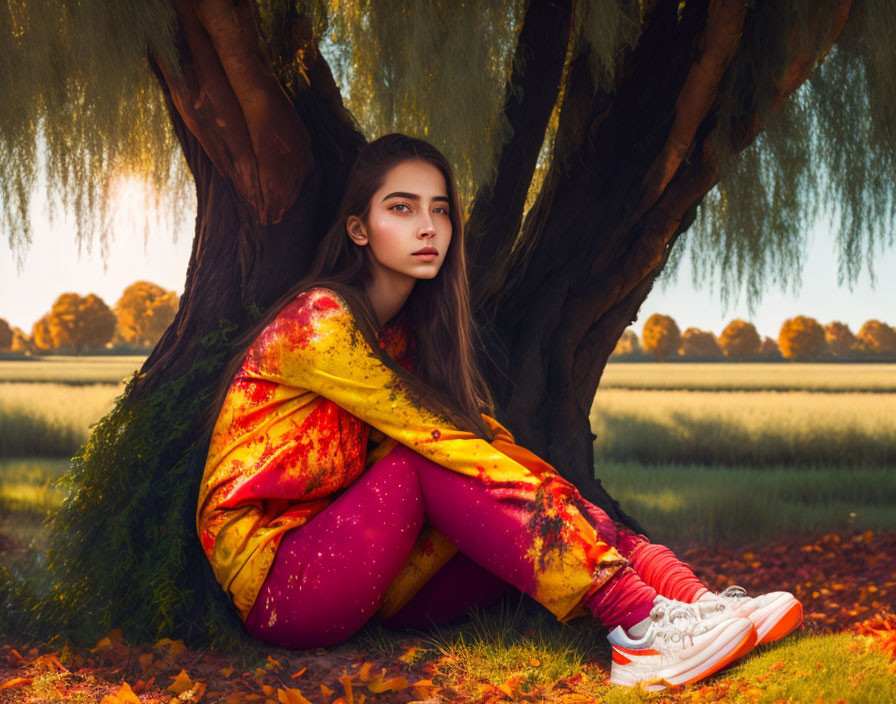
312,408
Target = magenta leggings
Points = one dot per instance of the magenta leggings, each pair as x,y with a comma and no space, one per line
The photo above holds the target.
328,576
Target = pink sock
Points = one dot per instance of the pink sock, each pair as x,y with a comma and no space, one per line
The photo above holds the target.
658,567
623,601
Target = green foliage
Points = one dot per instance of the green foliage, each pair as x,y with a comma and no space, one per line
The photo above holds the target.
80,103
123,546
433,70
830,151
607,28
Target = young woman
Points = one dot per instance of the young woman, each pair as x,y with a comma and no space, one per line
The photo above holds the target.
356,469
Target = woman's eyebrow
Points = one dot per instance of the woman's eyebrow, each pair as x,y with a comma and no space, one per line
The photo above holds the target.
411,196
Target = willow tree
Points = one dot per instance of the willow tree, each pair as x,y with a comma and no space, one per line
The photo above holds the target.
587,138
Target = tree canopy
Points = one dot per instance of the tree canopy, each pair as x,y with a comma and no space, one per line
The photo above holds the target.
82,104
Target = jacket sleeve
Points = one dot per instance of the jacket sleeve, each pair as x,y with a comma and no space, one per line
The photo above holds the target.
314,343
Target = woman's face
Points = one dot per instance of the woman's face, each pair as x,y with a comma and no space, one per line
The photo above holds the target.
408,213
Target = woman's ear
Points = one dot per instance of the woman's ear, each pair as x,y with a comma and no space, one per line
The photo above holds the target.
356,230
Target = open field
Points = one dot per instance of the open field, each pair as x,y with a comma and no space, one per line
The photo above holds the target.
726,376
701,427
736,504
756,428
50,419
70,370
710,376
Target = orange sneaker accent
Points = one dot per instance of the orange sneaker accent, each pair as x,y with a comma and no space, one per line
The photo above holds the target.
787,623
620,658
629,651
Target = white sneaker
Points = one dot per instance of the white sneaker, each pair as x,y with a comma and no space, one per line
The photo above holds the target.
680,646
774,614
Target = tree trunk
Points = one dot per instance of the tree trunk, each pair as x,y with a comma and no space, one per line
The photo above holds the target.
554,292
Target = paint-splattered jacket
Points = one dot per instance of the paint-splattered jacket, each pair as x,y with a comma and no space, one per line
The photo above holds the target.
312,408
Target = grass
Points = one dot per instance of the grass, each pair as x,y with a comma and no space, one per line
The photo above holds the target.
515,635
757,428
803,668
516,644
50,419
732,505
27,494
72,371
722,376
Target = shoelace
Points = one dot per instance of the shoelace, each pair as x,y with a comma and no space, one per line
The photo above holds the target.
664,622
734,592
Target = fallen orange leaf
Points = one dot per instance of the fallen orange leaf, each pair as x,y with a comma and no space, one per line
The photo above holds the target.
181,683
15,681
376,685
347,685
145,661
364,671
291,696
124,695
174,646
299,673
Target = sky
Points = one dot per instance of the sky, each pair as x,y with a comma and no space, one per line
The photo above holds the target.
54,265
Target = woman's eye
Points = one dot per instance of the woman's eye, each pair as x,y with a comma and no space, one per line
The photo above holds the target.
400,205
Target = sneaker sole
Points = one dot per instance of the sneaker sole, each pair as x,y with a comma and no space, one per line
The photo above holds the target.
744,644
782,623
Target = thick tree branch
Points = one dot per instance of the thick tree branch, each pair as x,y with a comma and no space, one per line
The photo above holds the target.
229,98
281,144
724,23
530,97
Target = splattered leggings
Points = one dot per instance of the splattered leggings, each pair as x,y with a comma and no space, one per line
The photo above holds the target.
328,577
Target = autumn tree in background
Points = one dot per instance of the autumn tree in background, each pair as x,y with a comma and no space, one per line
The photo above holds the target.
75,323
877,338
595,143
801,338
769,349
41,337
699,344
21,342
628,344
739,340
839,339
6,335
144,311
660,336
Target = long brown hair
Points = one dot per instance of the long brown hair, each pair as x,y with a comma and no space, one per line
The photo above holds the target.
446,377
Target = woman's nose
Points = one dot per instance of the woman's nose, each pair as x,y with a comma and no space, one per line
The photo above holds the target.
427,227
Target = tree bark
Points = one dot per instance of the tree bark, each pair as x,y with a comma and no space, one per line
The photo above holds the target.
270,155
